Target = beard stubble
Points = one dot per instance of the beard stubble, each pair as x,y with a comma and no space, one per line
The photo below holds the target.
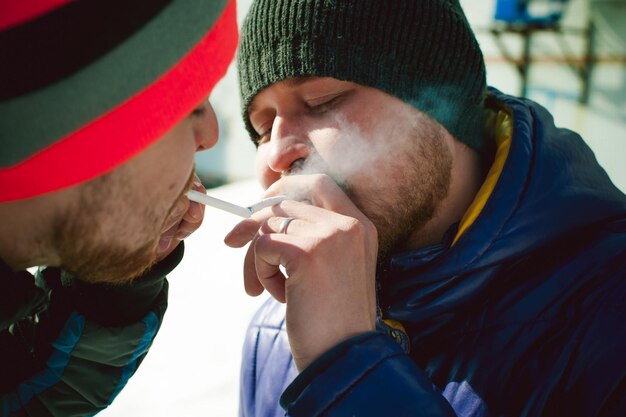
88,251
420,188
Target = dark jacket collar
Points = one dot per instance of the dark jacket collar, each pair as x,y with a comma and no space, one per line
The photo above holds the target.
19,296
550,187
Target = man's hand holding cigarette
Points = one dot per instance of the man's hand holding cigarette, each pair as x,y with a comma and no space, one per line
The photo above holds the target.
328,249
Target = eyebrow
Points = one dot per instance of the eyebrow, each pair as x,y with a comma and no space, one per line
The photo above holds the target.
296,81
289,82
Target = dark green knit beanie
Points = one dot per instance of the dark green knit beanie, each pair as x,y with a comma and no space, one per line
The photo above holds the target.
421,51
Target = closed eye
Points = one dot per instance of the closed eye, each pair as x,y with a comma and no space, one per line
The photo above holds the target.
322,107
263,137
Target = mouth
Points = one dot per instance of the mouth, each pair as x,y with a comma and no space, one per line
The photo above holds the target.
304,166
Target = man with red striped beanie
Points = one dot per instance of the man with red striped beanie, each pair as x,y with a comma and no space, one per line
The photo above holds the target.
103,105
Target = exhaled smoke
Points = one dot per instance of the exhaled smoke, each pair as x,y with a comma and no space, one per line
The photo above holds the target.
395,166
349,150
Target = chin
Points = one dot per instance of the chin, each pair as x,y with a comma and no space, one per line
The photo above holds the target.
106,264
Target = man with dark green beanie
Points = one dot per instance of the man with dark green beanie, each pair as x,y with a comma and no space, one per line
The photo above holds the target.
445,249
103,105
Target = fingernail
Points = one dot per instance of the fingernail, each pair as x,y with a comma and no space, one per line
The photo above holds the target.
164,244
195,211
178,210
182,235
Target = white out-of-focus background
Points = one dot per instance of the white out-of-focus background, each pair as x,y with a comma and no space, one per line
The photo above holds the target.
193,367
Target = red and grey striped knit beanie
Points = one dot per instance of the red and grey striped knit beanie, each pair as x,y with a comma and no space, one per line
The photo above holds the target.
421,51
85,85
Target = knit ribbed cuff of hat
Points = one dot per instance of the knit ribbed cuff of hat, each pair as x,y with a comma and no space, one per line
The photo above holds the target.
421,52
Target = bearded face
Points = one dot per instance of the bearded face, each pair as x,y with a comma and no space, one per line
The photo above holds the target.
391,159
409,200
109,237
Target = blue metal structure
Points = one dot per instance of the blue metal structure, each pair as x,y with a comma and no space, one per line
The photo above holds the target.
519,11
526,17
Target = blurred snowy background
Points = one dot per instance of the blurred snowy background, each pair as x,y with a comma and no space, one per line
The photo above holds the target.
193,367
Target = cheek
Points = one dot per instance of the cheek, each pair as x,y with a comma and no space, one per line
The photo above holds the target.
170,173
164,170
346,151
173,178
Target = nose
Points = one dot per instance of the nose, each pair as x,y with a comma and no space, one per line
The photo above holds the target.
288,144
207,129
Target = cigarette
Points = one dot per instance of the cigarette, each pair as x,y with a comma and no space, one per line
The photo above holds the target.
207,200
270,201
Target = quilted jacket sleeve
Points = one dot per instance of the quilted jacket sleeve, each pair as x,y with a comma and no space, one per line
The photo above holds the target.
77,354
368,375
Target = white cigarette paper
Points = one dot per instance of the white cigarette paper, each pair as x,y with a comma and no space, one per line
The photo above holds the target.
207,200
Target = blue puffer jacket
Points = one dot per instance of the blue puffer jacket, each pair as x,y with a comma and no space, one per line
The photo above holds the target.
521,311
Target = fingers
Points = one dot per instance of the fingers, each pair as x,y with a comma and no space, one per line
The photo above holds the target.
267,272
250,280
195,213
271,251
192,219
329,252
243,232
188,225
166,245
261,263
184,219
176,214
318,190
268,250
321,211
305,192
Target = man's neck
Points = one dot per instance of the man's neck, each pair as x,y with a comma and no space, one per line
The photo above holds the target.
466,179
